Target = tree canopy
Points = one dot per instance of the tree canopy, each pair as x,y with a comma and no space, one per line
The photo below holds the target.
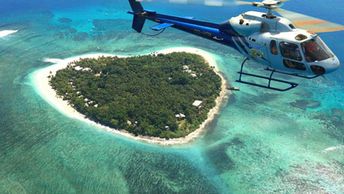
141,94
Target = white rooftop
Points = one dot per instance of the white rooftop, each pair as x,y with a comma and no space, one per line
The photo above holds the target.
78,68
197,103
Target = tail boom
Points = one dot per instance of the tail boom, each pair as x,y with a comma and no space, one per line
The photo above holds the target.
208,30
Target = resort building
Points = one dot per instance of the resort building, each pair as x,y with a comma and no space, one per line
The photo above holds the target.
197,103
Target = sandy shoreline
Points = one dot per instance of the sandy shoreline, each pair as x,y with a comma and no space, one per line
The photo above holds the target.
41,84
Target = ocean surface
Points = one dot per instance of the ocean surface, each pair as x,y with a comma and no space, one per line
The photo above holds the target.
261,142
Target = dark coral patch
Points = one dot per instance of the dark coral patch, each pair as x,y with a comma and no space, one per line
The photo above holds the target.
304,104
220,158
65,20
80,36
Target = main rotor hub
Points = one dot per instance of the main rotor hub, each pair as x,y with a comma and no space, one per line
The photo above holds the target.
269,5
271,2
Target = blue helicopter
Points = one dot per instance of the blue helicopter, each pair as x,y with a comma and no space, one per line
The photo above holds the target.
286,46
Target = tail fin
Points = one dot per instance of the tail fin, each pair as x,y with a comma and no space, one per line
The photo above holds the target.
138,21
136,6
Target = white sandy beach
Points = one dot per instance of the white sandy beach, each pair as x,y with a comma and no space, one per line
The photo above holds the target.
41,84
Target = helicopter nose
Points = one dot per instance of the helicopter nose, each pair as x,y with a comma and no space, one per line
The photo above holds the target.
332,65
327,66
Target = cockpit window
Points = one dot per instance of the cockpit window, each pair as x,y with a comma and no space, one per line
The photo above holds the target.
315,50
294,64
290,51
273,47
300,37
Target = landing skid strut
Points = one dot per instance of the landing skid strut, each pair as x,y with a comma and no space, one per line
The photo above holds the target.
291,85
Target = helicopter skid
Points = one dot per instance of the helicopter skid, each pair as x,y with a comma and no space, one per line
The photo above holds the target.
293,74
270,79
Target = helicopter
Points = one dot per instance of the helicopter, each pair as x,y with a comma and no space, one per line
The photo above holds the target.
290,47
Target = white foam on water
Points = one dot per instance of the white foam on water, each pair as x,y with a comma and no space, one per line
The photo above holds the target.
4,33
333,148
52,60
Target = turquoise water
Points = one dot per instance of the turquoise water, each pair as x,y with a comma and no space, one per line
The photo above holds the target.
262,142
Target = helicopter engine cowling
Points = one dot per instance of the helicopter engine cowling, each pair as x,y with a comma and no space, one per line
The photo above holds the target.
245,27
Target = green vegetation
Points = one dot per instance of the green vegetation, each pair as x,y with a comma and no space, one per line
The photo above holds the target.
141,94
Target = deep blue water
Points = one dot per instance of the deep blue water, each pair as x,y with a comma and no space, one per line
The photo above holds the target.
262,142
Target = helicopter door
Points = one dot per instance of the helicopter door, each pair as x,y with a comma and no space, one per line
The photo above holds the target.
286,56
292,58
274,55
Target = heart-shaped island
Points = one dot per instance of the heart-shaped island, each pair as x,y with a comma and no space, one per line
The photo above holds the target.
165,97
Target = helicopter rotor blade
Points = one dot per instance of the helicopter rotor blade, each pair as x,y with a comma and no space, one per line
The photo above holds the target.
309,23
241,2
217,3
211,3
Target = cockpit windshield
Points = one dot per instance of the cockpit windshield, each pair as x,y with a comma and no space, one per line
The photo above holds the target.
315,50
